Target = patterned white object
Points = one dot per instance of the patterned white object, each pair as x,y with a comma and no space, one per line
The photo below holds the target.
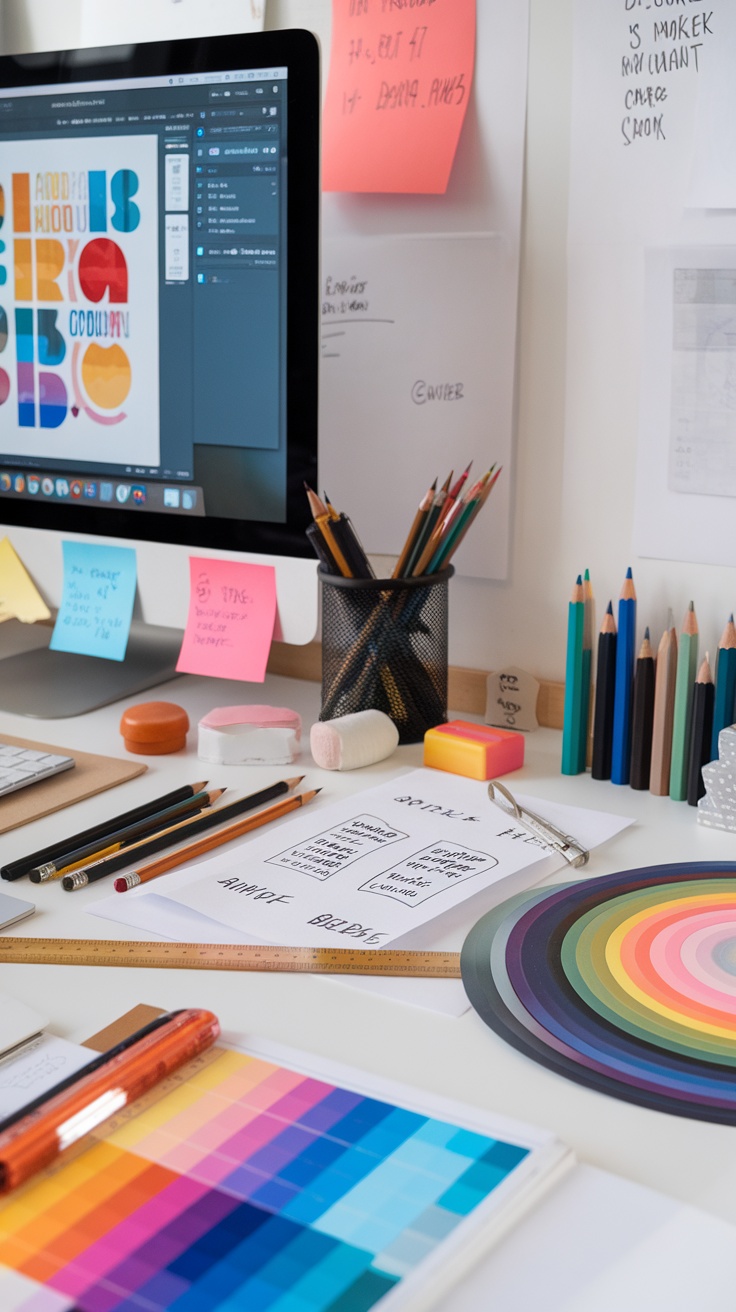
717,807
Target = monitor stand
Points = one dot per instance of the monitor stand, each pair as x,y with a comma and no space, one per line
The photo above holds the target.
52,685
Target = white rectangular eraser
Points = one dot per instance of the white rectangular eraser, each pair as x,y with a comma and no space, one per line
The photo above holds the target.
249,735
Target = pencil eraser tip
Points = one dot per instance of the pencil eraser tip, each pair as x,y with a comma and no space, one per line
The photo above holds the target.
120,886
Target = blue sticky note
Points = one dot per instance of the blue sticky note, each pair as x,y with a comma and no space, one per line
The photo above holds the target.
97,600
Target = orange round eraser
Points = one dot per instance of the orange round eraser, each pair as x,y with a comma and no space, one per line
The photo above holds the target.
154,728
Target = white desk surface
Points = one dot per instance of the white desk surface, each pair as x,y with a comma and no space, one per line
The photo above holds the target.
457,1057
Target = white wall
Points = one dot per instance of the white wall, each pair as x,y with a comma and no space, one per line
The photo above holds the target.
573,502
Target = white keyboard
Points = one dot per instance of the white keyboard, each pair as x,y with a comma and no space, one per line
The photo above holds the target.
19,766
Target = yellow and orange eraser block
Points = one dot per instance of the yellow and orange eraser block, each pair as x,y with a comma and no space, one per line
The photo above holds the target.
478,751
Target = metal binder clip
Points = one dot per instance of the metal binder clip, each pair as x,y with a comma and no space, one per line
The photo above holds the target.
574,853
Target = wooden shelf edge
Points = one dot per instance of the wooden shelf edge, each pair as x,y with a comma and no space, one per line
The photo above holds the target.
466,687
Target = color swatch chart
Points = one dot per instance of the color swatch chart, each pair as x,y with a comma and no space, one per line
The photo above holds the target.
625,983
248,1185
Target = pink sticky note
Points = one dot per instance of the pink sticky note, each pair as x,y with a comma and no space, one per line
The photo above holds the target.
232,610
399,85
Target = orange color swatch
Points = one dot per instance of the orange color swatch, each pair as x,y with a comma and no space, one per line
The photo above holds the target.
399,84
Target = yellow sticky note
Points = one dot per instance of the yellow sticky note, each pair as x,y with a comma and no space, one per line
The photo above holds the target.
19,595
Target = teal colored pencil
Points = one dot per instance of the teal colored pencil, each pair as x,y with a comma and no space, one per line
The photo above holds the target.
687,669
723,711
588,630
572,732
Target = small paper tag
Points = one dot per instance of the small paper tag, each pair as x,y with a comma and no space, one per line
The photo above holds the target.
511,699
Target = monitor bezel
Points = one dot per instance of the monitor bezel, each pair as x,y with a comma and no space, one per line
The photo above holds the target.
298,51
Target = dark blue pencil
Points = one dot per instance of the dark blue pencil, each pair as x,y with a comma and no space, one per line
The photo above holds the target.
723,711
625,656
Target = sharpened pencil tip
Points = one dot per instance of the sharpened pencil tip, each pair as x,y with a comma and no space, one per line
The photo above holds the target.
586,576
609,608
646,634
629,574
579,581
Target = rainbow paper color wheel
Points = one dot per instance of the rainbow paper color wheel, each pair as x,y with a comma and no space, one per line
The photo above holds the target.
626,984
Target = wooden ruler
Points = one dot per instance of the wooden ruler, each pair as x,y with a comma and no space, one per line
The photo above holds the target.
215,956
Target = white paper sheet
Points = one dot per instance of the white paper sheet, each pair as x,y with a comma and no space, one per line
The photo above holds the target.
686,474
37,1067
631,158
158,911
601,1244
423,371
713,181
103,23
370,868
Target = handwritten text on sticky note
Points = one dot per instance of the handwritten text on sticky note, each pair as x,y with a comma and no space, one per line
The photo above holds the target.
399,85
232,611
97,600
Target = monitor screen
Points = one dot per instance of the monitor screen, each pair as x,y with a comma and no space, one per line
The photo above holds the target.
159,290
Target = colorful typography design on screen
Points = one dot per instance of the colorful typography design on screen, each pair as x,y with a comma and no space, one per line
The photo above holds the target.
78,267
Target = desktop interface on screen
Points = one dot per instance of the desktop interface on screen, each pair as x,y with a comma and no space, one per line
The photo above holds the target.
143,295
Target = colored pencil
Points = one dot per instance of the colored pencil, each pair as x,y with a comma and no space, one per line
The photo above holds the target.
642,716
192,850
423,510
451,508
725,696
349,543
128,834
701,731
460,526
174,834
54,851
664,712
588,627
573,710
625,651
427,527
605,683
687,668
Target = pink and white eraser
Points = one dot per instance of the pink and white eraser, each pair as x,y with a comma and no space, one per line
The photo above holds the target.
250,735
352,741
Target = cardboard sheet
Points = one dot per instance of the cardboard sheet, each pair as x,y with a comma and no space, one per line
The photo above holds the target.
90,775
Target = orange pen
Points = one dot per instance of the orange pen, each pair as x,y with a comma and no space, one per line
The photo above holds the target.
38,1137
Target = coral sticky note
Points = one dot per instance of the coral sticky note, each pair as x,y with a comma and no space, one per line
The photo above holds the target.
97,600
232,611
398,88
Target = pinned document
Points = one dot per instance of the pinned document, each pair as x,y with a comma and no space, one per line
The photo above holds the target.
97,600
232,611
397,93
19,596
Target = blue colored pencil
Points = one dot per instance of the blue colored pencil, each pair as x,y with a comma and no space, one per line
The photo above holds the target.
625,657
723,711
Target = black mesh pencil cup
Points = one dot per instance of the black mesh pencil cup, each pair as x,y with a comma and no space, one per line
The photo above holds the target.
384,647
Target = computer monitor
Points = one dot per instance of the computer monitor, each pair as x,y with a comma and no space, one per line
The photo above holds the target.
159,296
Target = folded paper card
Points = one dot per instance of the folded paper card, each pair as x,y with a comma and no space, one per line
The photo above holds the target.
19,595
232,611
249,735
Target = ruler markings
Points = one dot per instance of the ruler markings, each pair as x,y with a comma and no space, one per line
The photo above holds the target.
243,957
